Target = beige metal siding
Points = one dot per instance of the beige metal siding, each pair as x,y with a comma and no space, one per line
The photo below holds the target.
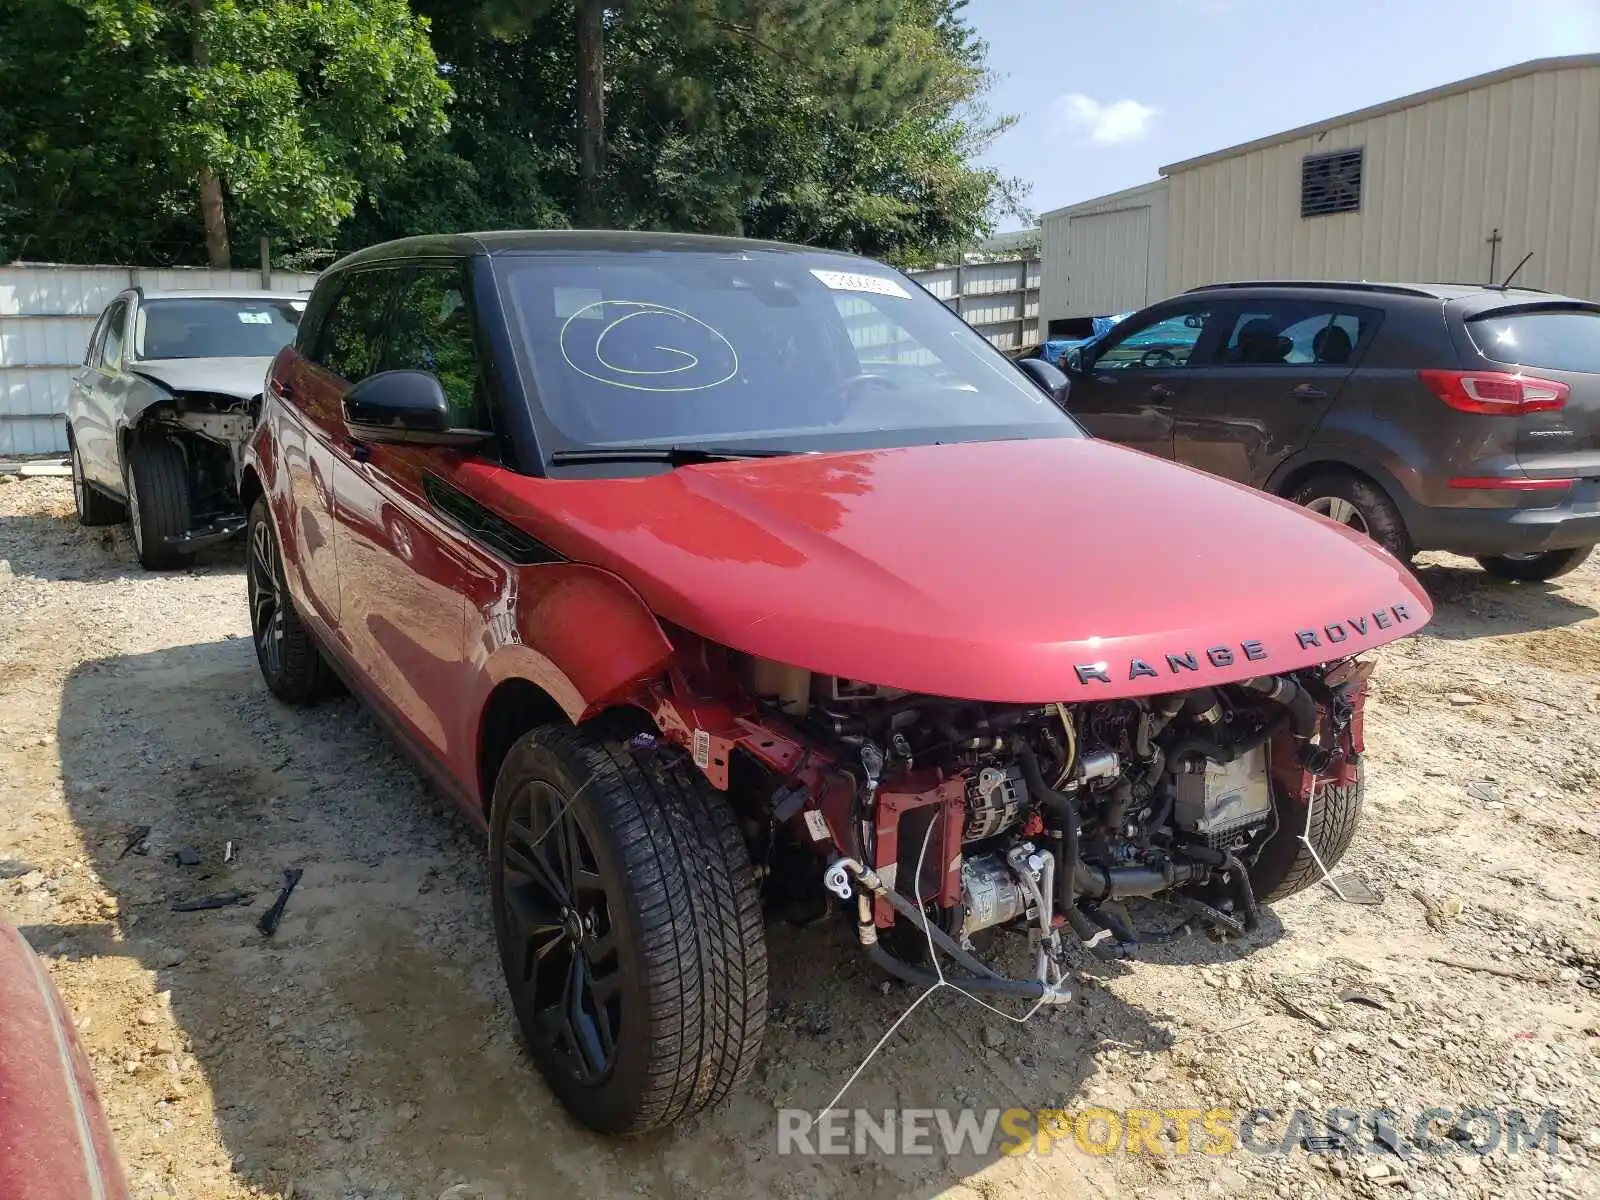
1110,257
1106,255
1521,155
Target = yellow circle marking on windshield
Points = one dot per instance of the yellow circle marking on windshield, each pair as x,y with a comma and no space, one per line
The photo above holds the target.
645,308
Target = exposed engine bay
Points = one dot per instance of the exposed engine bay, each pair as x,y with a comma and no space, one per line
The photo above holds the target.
943,821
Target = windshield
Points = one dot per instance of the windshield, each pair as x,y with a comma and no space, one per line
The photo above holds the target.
215,328
785,350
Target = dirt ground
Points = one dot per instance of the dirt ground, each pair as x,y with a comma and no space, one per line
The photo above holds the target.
367,1050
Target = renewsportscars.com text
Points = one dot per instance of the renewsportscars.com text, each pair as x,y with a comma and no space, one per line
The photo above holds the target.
1165,1131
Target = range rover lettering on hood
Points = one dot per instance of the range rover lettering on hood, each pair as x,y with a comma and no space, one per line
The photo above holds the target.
1250,650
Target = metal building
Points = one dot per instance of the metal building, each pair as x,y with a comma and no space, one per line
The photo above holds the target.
1454,184
1107,255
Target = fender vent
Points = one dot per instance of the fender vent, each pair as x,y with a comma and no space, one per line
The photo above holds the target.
486,527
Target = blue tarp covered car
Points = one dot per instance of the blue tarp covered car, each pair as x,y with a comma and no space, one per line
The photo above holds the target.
1053,349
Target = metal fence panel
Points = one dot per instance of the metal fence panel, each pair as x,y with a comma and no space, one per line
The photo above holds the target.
47,313
998,299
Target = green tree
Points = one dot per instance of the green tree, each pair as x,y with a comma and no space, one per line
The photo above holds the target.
277,114
845,124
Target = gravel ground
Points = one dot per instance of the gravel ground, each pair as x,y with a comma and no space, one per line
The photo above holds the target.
367,1049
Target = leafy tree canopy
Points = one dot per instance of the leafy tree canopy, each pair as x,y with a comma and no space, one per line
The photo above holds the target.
328,124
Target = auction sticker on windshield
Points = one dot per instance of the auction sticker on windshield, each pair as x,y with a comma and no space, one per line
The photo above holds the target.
846,281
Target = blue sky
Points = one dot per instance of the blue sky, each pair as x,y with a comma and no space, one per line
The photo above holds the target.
1108,91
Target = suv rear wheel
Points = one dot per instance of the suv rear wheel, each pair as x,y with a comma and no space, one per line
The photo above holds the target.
1535,568
291,664
629,926
94,506
1355,502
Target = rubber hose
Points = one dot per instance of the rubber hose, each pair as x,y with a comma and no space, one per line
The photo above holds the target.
1088,931
1247,892
1030,989
1298,702
1065,807
940,938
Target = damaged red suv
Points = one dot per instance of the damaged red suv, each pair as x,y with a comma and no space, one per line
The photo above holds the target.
714,576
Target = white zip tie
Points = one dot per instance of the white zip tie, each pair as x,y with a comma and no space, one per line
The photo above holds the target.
1305,836
940,982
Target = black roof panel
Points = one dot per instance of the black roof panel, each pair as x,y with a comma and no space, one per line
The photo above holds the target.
537,241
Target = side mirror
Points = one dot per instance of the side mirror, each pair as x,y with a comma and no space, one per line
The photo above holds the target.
1049,378
404,406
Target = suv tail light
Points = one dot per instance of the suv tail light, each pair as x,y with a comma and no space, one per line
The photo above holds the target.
1498,392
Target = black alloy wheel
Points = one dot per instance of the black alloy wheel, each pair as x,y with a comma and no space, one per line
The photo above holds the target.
266,601
291,664
628,922
558,916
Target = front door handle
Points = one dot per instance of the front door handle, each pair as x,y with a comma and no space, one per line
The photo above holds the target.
1161,391
1309,391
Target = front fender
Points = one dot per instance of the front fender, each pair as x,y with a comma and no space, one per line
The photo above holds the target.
579,632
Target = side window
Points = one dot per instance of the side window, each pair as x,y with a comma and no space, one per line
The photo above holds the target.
432,330
1169,342
1288,334
111,348
91,352
347,344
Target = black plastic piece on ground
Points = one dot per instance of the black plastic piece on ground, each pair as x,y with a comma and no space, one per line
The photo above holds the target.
268,925
220,900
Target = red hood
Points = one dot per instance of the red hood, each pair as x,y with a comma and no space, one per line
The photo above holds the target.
1024,571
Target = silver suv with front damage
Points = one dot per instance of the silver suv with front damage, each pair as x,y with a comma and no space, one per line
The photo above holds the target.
169,391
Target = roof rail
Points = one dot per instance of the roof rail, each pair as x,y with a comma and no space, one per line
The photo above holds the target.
1499,287
1400,289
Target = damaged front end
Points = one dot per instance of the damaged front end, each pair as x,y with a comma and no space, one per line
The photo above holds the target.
943,820
210,429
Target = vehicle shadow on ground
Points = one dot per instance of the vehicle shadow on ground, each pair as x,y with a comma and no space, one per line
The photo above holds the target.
367,1047
33,544
1470,603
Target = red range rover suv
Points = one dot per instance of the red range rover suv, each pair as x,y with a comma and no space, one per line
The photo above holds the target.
716,576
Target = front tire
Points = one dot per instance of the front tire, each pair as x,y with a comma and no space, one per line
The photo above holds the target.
1285,866
1359,504
1535,568
292,666
629,927
156,480
93,506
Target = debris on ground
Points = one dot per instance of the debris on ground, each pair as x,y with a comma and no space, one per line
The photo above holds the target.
269,919
206,903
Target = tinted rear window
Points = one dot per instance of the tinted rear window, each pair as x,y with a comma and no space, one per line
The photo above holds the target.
1557,340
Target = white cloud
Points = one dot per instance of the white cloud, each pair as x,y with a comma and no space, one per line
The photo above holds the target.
1106,124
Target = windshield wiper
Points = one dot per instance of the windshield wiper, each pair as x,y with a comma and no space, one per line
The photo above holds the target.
677,456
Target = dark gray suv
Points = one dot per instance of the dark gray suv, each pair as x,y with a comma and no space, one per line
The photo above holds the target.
1431,417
